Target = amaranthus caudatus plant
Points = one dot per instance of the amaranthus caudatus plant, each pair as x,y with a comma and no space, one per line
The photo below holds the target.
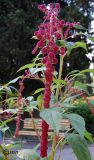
49,33
53,39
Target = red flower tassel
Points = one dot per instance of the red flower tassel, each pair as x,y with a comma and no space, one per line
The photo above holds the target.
47,97
44,139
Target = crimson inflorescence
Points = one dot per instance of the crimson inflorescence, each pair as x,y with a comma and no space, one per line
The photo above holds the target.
49,32
20,100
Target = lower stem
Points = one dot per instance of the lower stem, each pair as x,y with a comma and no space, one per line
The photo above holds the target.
53,147
57,94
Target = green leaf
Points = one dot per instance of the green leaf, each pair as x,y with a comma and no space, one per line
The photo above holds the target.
59,81
71,98
14,80
32,105
91,38
37,58
72,73
80,86
80,27
14,111
87,70
77,123
8,146
4,129
39,101
61,43
36,70
88,136
30,98
5,88
52,116
79,147
28,154
80,44
26,66
67,106
39,90
71,45
2,124
81,73
29,108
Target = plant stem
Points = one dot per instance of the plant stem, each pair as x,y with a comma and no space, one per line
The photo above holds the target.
57,94
53,147
59,77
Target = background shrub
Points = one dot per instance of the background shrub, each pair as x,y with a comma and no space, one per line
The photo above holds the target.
82,108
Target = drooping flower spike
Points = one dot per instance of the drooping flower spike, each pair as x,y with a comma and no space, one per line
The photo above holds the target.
20,99
51,30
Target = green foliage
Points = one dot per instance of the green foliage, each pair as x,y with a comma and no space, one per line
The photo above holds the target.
2,124
26,67
52,116
71,45
91,38
80,86
39,101
14,80
82,109
4,129
80,44
87,70
31,106
80,27
77,123
79,147
88,136
39,90
19,26
59,81
36,70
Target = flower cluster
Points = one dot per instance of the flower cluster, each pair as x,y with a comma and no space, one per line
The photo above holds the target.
20,100
49,32
52,29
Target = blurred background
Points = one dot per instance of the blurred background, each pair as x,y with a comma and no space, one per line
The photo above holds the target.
18,21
